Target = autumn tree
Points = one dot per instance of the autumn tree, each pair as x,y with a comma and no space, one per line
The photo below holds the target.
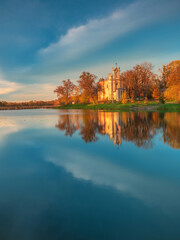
155,92
129,83
165,72
76,94
101,90
143,78
88,86
171,75
65,91
124,97
137,82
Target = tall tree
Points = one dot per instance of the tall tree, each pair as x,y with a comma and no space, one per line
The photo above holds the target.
155,92
138,81
65,91
76,95
88,86
171,76
143,77
128,78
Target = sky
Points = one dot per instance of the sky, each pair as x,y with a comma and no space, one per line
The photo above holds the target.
43,42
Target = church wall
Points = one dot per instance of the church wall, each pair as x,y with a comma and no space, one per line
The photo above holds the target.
112,87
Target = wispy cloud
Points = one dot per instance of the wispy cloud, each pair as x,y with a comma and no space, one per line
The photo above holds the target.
98,32
37,92
32,92
8,87
12,91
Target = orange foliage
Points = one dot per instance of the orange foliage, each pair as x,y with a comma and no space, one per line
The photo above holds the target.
156,93
173,81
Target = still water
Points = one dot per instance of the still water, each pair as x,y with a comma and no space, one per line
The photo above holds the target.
89,175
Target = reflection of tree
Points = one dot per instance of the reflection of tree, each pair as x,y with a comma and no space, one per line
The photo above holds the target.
139,128
89,128
171,132
65,123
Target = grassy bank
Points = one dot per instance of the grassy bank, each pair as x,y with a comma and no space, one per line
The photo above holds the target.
169,107
150,106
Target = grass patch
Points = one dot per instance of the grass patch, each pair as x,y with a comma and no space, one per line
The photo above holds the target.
169,107
136,106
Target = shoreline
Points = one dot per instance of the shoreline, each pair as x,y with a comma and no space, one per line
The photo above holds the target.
25,107
167,107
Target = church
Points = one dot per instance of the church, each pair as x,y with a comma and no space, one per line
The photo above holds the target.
111,87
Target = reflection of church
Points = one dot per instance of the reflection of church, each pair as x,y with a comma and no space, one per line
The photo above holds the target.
111,124
111,87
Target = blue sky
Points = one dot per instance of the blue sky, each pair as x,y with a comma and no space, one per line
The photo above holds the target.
43,42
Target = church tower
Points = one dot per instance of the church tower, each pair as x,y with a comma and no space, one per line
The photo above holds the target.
116,78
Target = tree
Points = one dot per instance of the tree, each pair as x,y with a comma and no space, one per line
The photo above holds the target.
124,97
172,79
101,90
155,92
88,86
143,77
65,91
129,83
76,95
138,81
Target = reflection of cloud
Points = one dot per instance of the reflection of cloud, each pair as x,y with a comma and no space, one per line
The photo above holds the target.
100,171
7,127
14,121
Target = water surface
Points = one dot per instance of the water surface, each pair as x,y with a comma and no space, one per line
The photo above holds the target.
89,175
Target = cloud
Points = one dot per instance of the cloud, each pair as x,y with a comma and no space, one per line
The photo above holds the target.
33,92
98,32
38,92
51,66
8,87
12,91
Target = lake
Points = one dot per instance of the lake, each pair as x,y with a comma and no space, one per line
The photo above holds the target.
87,175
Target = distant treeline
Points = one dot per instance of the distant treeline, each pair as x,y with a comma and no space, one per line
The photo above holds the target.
139,83
27,105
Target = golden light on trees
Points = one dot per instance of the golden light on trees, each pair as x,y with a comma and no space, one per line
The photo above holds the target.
155,92
139,84
173,81
65,91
